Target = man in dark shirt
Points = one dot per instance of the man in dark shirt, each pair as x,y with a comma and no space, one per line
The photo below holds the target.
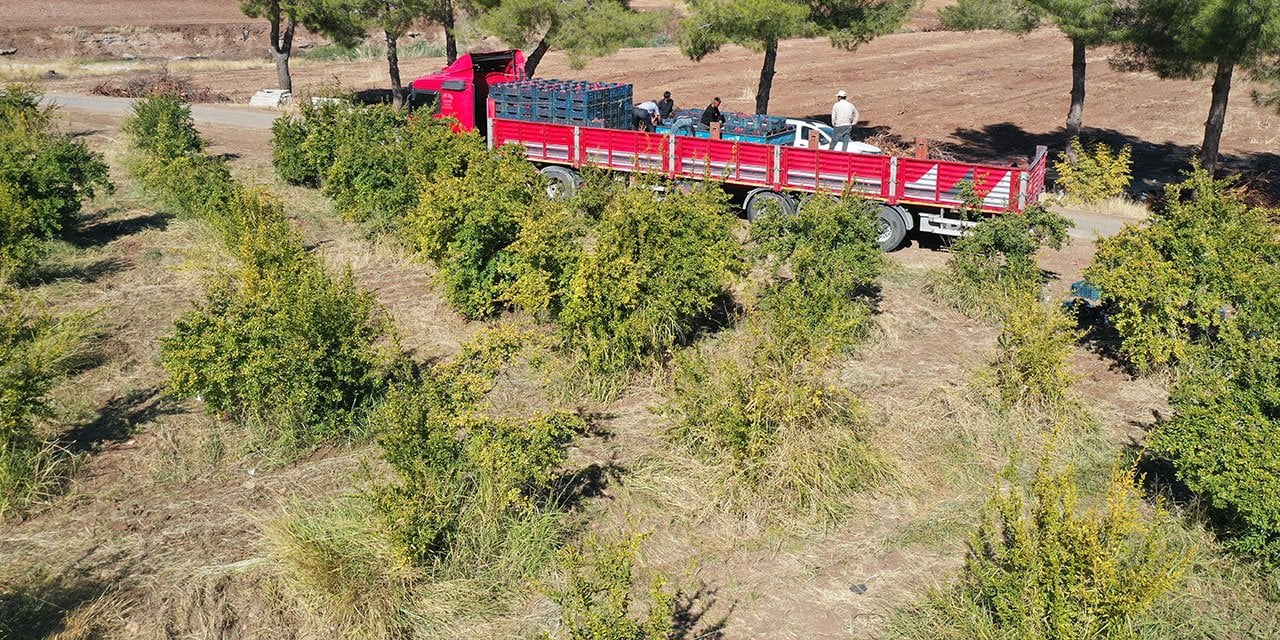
712,114
666,105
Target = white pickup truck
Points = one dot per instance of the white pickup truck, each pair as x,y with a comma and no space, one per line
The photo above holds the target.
805,126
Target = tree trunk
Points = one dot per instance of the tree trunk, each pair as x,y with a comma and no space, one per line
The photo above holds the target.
393,65
280,51
450,40
283,78
1075,115
1217,116
531,62
282,47
766,77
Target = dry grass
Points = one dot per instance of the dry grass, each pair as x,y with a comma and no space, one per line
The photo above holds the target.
102,617
1119,206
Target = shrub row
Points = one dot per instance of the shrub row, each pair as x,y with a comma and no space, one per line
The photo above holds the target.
624,273
279,343
1198,288
36,351
374,161
44,178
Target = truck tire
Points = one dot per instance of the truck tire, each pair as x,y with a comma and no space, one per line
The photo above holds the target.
891,228
761,200
562,182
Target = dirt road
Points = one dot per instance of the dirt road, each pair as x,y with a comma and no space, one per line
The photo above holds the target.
247,117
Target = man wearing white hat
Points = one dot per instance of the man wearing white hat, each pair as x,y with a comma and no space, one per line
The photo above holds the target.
843,116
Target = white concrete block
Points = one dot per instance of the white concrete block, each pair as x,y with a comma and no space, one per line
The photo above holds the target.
274,98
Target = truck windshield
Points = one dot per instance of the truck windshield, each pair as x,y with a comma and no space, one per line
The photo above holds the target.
425,101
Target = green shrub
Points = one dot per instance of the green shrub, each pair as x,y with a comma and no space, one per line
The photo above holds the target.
161,128
1223,434
779,438
1017,16
1095,174
171,165
541,262
280,306
466,224
36,351
830,250
1205,256
1033,351
994,265
1039,567
302,148
470,488
20,244
291,163
596,599
655,266
44,178
196,186
381,162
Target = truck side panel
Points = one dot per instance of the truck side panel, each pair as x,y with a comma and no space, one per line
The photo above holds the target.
832,171
888,179
742,163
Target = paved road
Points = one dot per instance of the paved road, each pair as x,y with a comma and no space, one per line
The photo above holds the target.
235,116
1088,225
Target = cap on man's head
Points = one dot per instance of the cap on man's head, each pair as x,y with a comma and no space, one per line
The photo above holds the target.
841,94
666,94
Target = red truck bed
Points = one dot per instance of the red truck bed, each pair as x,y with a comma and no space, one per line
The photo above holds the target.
889,179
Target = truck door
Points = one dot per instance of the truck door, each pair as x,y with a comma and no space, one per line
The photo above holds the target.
456,100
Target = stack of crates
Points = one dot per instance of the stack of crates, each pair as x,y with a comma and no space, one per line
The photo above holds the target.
750,124
740,125
573,102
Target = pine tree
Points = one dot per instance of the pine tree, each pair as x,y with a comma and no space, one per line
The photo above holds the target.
583,29
1188,38
760,25
285,16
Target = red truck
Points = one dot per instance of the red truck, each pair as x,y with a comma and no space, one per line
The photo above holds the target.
926,195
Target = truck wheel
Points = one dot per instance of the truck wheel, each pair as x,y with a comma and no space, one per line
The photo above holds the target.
562,182
891,229
808,199
762,200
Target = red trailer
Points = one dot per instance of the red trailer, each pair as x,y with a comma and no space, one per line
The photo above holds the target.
915,194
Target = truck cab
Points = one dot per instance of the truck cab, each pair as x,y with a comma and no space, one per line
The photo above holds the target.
461,90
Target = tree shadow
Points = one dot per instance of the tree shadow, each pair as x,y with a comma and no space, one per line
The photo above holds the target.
118,419
571,488
1100,336
690,617
1156,163
41,605
724,313
86,272
100,231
